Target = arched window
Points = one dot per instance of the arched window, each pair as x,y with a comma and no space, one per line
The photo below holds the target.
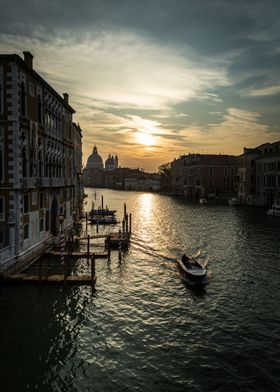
2,209
1,154
22,99
25,231
1,98
47,221
41,224
39,108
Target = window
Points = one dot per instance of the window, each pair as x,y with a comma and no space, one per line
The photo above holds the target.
1,91
47,221
34,198
42,224
2,238
2,208
31,89
25,231
39,108
41,200
25,203
22,99
1,154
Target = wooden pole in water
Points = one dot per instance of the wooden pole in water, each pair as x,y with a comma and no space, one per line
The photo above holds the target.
88,246
97,227
129,223
109,247
120,245
65,270
86,221
126,223
124,210
92,268
102,202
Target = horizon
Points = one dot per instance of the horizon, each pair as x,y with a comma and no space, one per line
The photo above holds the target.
151,82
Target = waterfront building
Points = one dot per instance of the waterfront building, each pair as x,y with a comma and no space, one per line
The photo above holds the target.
204,175
259,174
40,161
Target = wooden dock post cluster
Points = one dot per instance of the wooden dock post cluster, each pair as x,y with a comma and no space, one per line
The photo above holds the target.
64,258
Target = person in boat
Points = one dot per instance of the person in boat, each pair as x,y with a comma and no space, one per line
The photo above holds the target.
186,260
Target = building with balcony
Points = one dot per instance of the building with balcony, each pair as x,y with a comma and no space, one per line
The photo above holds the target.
204,175
40,161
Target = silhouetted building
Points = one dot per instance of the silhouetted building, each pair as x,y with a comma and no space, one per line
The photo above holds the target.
259,174
204,175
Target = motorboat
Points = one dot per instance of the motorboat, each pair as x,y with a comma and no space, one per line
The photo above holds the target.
192,272
202,200
234,201
275,209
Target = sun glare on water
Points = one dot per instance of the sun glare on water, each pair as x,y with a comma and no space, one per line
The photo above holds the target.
145,139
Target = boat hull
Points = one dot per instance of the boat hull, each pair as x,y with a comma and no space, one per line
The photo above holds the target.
193,278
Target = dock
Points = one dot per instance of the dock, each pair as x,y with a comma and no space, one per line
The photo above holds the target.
61,264
51,279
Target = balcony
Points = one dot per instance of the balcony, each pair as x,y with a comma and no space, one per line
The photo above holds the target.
6,254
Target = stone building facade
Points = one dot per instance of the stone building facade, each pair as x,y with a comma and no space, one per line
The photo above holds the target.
40,161
204,175
259,175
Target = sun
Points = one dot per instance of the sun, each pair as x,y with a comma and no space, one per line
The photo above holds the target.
145,138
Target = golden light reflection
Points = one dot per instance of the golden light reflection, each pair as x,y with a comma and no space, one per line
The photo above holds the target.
145,138
147,205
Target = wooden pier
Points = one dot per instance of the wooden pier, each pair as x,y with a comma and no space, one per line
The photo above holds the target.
51,279
62,263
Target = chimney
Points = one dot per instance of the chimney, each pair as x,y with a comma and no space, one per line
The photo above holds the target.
28,59
66,98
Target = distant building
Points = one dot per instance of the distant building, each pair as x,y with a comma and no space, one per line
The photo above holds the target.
40,161
94,172
204,175
259,174
111,163
95,160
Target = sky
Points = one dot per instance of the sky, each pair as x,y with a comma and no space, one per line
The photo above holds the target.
151,80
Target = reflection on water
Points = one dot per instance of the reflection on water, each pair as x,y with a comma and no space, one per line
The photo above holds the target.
143,329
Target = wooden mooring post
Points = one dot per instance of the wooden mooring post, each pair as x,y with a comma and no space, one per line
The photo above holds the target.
129,223
88,243
92,269
120,245
86,221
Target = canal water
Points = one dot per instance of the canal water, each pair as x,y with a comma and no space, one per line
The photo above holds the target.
143,329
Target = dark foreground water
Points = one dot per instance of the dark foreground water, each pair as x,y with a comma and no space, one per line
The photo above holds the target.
143,329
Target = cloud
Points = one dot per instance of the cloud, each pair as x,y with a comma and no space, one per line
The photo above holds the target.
123,68
271,90
237,129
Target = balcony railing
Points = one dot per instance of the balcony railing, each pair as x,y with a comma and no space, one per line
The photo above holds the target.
6,254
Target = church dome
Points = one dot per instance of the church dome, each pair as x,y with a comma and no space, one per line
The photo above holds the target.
95,161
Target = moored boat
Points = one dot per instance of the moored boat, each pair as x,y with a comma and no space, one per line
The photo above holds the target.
192,272
103,219
234,201
202,200
275,209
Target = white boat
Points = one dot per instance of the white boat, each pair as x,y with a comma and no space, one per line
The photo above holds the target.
234,201
192,272
202,200
275,209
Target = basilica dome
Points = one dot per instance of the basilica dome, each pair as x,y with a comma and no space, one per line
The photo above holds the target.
94,160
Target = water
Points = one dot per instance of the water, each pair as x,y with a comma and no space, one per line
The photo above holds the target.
143,329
